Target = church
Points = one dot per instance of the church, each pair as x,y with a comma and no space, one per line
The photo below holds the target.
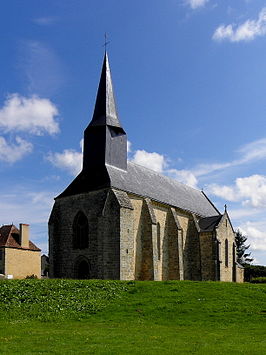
119,220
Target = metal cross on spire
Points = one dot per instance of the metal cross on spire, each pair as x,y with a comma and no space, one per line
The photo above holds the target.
105,41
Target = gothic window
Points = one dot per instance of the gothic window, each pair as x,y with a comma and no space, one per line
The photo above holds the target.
159,240
226,252
80,231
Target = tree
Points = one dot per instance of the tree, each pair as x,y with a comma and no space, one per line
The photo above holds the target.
243,258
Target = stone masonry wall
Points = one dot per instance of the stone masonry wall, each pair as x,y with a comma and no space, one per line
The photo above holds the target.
126,229
191,247
161,243
157,240
239,274
137,203
208,256
174,247
146,269
131,237
224,231
62,256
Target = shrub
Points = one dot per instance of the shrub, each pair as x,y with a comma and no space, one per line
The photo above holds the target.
31,277
254,271
258,280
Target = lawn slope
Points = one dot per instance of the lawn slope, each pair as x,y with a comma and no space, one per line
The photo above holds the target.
116,317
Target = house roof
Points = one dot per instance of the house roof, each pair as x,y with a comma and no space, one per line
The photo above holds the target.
9,238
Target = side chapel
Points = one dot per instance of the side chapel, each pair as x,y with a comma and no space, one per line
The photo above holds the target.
119,220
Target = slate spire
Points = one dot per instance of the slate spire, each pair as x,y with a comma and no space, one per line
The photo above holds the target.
105,112
105,141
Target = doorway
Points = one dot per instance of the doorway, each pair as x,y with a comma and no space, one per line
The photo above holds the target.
82,269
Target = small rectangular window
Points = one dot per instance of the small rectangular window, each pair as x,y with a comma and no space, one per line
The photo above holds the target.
1,254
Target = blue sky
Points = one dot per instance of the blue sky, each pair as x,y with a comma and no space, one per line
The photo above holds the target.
190,84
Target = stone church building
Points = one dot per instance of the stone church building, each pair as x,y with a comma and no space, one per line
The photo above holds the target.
119,220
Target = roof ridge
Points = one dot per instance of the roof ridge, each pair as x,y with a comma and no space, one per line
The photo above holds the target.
203,193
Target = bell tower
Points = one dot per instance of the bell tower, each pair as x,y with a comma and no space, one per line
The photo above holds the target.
105,141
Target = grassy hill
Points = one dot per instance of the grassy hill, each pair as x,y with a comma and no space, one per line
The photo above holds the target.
115,317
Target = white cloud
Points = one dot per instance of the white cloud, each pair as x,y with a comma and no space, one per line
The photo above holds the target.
44,21
153,161
28,206
240,213
250,190
35,55
249,153
81,144
194,4
129,146
25,206
32,115
205,169
253,151
246,31
158,163
69,160
13,152
253,188
184,176
256,233
226,192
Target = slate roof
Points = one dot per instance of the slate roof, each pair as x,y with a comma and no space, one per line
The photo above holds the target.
105,112
208,224
8,238
148,183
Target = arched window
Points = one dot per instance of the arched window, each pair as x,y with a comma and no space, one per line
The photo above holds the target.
80,231
159,240
226,253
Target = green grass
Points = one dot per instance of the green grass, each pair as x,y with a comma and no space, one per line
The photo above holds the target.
112,317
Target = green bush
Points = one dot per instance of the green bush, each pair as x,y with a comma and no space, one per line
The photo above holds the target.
254,271
258,280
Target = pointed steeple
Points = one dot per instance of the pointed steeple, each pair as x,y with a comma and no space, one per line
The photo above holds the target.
105,141
105,112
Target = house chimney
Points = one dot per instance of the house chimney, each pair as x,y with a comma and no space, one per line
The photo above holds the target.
24,235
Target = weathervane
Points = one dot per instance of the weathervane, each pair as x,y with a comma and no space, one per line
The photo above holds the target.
105,41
